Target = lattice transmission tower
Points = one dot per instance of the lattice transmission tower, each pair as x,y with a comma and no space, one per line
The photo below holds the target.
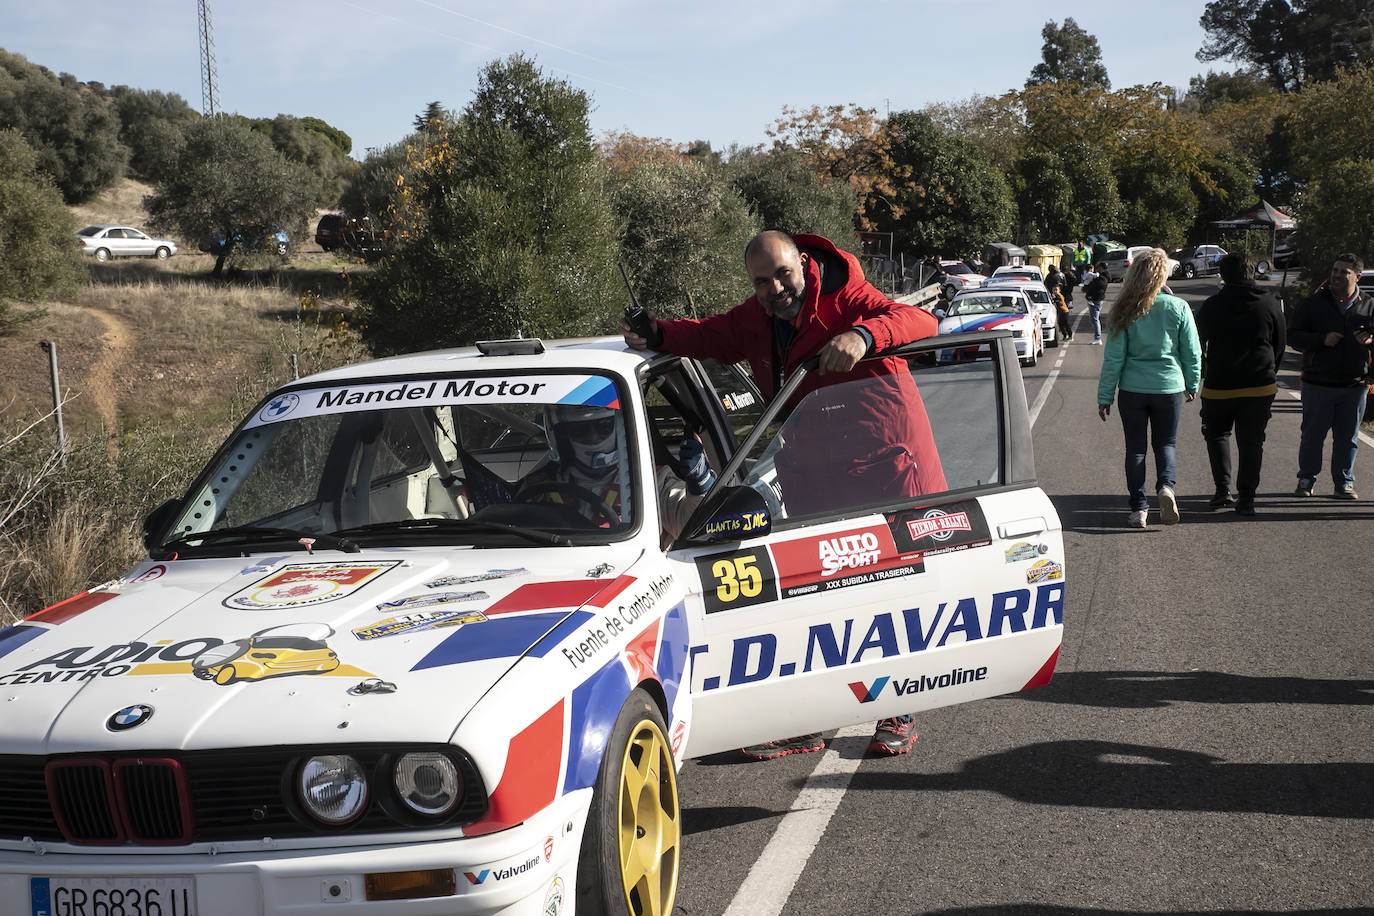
209,77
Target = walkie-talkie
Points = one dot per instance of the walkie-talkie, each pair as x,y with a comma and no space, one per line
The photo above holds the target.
636,316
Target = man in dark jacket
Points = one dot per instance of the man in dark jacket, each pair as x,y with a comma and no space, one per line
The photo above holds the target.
1243,337
1332,328
811,299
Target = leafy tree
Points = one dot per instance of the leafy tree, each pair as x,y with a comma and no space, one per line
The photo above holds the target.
1329,122
73,129
229,177
995,125
1069,55
1207,93
153,126
37,257
1044,197
622,151
508,229
953,201
1096,201
685,232
372,190
844,143
1258,32
1226,185
784,192
433,119
1336,214
323,150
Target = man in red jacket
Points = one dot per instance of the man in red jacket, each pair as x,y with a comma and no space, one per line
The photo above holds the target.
811,299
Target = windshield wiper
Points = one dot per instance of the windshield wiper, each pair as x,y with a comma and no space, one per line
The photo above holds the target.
257,534
460,524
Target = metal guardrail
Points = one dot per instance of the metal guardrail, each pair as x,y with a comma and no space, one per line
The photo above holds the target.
927,297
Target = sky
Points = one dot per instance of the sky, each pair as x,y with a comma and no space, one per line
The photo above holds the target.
708,70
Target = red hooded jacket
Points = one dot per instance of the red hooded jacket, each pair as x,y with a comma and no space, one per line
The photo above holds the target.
877,428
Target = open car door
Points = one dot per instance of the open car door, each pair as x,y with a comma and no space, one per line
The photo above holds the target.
876,547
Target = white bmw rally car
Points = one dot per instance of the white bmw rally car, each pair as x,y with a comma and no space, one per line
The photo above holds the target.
433,634
1040,300
992,307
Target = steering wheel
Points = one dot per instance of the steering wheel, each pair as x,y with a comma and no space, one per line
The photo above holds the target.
574,495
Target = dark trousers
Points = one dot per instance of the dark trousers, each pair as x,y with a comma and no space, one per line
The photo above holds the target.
1065,331
1149,422
1249,417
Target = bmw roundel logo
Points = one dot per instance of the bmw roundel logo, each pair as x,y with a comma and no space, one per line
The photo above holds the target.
128,717
278,407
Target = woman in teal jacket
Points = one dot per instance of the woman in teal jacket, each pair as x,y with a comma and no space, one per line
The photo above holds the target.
1151,362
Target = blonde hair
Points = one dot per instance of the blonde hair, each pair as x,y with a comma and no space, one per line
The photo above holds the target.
1143,281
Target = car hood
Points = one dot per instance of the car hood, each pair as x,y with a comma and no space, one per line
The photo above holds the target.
378,646
960,323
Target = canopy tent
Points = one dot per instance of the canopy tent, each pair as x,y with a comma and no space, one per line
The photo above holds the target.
1003,254
1263,218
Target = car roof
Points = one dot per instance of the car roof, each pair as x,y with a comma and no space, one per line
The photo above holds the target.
588,353
987,291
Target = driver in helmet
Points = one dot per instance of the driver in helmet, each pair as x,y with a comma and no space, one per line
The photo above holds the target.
589,441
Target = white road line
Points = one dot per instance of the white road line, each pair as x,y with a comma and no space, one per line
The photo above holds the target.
1043,394
771,879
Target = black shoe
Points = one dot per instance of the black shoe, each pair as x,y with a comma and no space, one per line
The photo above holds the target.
1245,507
894,736
1219,500
1305,485
1346,491
771,750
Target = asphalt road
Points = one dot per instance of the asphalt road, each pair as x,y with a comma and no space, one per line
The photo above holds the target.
1206,745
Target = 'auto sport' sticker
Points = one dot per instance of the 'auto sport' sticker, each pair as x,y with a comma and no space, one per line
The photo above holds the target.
304,584
842,559
1044,571
418,601
415,623
940,529
449,581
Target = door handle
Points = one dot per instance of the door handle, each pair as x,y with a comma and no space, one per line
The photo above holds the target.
1021,528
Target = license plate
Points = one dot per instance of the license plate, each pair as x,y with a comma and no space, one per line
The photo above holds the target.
169,896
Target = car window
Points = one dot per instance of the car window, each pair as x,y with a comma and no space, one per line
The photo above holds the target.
547,451
911,431
89,231
986,305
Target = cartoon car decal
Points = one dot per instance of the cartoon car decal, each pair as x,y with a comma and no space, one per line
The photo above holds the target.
282,651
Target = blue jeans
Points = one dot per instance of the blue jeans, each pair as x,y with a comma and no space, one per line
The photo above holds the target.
1334,410
1095,313
1152,416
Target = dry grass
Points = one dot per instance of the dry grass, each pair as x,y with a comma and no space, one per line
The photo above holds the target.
158,360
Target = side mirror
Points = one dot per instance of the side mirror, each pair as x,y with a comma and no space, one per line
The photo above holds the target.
157,520
742,513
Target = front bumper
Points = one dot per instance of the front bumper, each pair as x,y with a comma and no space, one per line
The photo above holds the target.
514,872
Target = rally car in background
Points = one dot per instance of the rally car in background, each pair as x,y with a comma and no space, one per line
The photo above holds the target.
433,634
988,308
1039,297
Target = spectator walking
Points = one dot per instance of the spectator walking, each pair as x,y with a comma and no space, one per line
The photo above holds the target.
1332,329
1054,283
1152,363
1243,336
1095,290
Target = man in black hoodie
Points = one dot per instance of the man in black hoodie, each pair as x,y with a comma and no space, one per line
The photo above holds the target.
1243,337
1332,328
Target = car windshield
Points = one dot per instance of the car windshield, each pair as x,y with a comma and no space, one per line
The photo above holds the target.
956,269
540,458
987,305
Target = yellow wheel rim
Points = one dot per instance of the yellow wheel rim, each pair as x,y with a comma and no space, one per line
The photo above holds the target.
650,822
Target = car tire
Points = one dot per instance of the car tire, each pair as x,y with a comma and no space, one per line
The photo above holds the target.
632,843
281,249
950,290
1262,267
102,255
163,253
1189,272
226,675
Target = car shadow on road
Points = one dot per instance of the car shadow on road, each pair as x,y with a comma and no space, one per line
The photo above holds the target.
1027,909
1159,689
1106,514
1109,774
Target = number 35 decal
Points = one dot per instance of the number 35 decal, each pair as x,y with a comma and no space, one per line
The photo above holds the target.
737,579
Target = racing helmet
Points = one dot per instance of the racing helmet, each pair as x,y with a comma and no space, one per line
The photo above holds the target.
586,436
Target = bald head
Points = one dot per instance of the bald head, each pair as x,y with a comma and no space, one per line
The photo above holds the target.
777,269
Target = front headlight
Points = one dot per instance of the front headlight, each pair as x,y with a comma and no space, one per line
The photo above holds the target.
428,783
332,788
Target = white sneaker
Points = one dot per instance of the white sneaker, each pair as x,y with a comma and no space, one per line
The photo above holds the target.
1136,519
1168,506
1097,341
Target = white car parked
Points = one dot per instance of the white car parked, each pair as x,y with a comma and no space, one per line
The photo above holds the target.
415,640
105,242
1021,272
1040,299
987,309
